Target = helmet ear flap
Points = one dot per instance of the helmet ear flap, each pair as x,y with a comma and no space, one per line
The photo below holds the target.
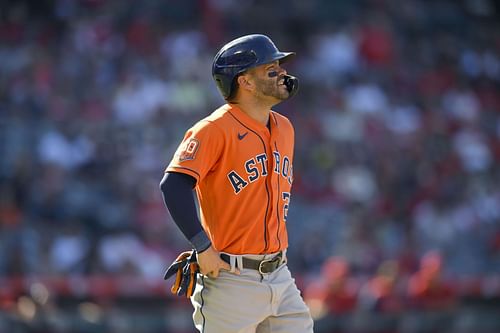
233,89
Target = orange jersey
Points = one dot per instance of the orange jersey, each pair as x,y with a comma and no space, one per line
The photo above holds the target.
243,176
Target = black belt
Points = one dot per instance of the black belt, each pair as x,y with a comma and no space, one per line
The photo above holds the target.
264,266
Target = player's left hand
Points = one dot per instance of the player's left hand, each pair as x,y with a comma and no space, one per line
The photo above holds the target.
210,263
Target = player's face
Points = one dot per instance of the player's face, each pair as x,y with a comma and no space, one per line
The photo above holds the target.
269,81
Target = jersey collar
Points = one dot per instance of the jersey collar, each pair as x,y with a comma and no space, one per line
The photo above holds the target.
249,121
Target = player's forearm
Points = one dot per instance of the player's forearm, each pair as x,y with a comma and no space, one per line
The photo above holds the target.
177,190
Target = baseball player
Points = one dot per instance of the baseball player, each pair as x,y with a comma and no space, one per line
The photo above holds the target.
239,160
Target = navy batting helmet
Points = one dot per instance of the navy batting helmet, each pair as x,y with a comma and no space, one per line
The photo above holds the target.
240,55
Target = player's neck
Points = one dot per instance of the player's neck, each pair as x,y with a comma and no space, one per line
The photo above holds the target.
259,114
255,109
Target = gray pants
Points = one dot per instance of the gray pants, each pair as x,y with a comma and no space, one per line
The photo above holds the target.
250,303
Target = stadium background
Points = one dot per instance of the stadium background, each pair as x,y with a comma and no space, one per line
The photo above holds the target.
395,217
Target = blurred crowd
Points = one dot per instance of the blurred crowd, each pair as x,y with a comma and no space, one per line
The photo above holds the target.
397,136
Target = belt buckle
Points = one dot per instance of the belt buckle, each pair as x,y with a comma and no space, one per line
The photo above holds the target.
266,261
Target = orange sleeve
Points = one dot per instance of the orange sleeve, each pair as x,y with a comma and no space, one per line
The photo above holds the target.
199,151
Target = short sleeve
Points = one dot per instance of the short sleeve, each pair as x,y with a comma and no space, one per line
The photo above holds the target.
199,151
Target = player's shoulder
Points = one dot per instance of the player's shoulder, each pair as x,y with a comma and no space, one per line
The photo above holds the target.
281,120
219,118
214,121
219,115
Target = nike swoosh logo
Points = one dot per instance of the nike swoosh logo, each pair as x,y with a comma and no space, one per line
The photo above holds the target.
242,136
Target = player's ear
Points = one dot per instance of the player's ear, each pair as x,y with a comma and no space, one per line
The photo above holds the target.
244,81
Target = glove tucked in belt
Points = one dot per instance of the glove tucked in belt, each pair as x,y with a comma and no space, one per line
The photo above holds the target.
186,270
264,266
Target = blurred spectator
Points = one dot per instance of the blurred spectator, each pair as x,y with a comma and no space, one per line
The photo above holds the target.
70,250
382,292
124,254
332,296
427,289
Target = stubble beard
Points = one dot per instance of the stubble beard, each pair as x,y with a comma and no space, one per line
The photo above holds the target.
270,88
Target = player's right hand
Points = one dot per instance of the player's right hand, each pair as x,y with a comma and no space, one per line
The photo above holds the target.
210,263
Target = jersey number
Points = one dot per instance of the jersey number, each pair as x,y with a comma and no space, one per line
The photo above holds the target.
286,199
